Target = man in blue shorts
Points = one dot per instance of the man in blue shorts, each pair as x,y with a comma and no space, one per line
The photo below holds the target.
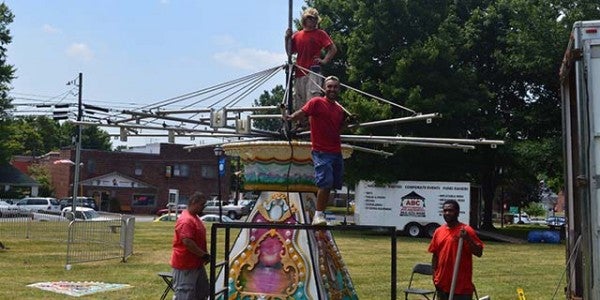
326,119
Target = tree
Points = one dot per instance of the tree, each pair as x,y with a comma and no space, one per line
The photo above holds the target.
535,209
42,176
270,99
39,135
489,67
6,75
91,136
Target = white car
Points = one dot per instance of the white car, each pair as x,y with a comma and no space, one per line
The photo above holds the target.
168,217
30,204
215,218
524,219
8,210
85,213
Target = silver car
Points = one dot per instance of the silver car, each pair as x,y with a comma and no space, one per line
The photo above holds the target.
30,204
8,210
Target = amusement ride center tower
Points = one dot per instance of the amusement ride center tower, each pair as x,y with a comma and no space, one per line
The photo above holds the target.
283,263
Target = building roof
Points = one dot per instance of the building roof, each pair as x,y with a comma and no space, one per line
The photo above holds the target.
9,175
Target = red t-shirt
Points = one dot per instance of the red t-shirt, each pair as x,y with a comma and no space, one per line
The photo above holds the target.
308,45
191,227
326,120
445,244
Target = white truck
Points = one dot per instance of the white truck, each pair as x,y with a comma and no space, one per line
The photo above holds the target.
414,207
81,213
580,91
228,209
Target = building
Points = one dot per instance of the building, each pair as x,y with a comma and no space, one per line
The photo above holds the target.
139,180
12,177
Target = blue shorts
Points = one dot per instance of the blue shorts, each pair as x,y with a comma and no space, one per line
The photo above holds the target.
329,169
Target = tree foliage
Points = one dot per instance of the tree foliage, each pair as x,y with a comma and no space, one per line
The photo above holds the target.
274,98
92,137
39,135
489,67
42,176
7,72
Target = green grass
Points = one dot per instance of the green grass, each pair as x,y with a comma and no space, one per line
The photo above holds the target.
504,267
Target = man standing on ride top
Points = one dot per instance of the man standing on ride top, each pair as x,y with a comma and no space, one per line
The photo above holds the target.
308,44
444,246
326,123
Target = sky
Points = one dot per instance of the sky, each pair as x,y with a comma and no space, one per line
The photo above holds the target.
138,52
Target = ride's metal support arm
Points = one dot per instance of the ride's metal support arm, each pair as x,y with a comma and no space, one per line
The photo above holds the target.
369,150
422,139
397,120
421,144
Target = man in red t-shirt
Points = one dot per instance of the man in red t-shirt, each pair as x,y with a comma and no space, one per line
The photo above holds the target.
444,246
326,123
189,252
308,44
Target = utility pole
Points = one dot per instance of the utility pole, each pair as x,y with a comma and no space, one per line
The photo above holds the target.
78,143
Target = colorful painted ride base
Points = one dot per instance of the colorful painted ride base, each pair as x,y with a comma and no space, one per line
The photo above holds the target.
286,263
277,165
283,263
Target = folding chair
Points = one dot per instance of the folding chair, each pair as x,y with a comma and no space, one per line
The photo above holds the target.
420,269
168,278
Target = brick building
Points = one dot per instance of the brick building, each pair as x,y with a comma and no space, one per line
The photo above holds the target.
141,180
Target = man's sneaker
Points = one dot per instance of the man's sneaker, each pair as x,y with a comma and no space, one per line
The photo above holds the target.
319,219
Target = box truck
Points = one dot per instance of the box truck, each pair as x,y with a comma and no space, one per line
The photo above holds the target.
580,93
414,207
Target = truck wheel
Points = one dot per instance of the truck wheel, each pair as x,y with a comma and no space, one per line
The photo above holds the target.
414,229
232,215
431,229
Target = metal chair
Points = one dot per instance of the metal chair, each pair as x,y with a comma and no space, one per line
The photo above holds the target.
168,278
420,269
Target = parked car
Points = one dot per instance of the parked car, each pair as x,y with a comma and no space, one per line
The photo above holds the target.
215,218
8,210
86,213
555,222
522,219
30,204
168,217
247,203
171,209
81,201
81,214
231,210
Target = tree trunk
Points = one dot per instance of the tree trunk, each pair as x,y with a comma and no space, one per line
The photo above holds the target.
488,187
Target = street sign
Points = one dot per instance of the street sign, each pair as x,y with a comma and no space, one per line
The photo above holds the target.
221,166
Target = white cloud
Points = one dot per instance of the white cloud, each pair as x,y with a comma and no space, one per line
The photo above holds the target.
223,40
80,51
250,59
47,28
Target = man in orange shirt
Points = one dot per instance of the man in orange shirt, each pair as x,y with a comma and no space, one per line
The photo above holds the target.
189,252
327,119
444,247
308,44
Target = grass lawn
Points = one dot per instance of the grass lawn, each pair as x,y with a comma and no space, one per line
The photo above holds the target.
537,268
